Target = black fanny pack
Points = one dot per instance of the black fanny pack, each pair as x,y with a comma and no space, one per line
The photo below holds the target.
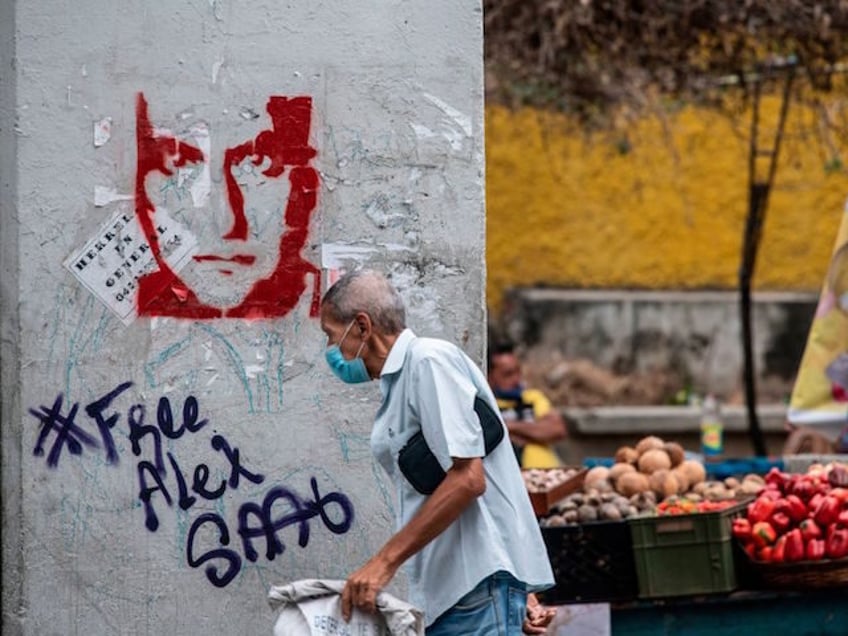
420,466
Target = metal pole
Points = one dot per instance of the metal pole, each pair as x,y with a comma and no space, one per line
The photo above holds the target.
758,192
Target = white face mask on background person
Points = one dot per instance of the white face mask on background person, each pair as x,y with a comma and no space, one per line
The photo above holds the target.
348,371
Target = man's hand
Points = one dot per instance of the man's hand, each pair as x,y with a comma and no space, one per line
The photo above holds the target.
463,483
362,586
538,616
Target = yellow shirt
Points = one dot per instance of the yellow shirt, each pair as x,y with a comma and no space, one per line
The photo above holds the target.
532,454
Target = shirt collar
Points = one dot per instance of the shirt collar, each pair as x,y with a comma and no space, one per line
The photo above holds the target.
397,354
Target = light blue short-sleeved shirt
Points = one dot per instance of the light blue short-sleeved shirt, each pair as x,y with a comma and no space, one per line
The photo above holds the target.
430,385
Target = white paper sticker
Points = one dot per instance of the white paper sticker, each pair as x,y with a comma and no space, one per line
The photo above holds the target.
104,195
102,131
111,263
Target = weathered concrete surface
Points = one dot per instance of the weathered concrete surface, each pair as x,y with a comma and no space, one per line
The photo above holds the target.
697,335
219,440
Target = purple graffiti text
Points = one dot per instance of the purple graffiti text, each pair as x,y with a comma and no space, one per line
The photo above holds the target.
266,526
70,434
198,483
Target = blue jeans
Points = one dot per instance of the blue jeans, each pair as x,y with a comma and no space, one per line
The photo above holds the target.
495,607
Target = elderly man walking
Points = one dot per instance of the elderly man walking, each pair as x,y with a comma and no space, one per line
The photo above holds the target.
464,528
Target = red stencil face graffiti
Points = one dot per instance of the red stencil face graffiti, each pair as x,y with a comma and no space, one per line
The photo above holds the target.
246,195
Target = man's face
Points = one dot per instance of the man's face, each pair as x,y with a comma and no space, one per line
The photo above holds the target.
505,373
200,196
335,331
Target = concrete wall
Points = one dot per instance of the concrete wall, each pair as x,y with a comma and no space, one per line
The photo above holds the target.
694,336
173,442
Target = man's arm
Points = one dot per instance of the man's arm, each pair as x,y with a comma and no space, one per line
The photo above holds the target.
463,483
544,430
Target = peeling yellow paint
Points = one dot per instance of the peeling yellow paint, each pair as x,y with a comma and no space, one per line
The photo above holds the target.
659,203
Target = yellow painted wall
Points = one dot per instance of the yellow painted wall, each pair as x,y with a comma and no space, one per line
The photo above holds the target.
571,209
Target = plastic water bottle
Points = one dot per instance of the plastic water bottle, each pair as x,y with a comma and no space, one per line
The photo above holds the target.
712,429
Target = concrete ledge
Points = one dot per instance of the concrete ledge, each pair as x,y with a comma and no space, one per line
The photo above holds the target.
659,420
696,296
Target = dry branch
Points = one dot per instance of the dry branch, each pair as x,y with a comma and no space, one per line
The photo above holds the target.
585,56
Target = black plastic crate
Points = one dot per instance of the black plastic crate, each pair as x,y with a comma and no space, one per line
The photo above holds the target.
591,562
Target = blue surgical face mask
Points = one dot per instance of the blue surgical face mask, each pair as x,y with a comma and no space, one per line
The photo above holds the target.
349,371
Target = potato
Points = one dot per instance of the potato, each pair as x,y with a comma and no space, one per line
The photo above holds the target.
609,511
653,460
675,452
626,455
596,473
649,443
749,487
632,483
682,480
755,478
619,469
663,483
694,470
587,513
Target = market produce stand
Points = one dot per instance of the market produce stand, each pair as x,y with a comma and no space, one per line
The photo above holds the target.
676,547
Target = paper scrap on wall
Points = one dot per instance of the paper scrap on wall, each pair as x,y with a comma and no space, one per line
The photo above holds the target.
102,131
110,264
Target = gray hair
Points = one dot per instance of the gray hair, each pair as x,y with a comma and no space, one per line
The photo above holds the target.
369,292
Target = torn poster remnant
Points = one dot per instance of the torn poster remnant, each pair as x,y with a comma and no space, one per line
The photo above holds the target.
110,264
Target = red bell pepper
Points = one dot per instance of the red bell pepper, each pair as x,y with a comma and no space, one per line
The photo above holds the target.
810,529
778,551
789,484
751,550
814,550
742,529
780,521
763,533
803,488
771,491
776,477
764,553
840,493
836,545
842,519
794,545
760,509
827,511
814,502
797,508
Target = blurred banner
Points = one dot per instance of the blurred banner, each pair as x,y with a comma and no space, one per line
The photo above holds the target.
820,396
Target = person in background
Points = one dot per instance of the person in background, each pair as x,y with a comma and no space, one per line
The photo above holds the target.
533,424
473,549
